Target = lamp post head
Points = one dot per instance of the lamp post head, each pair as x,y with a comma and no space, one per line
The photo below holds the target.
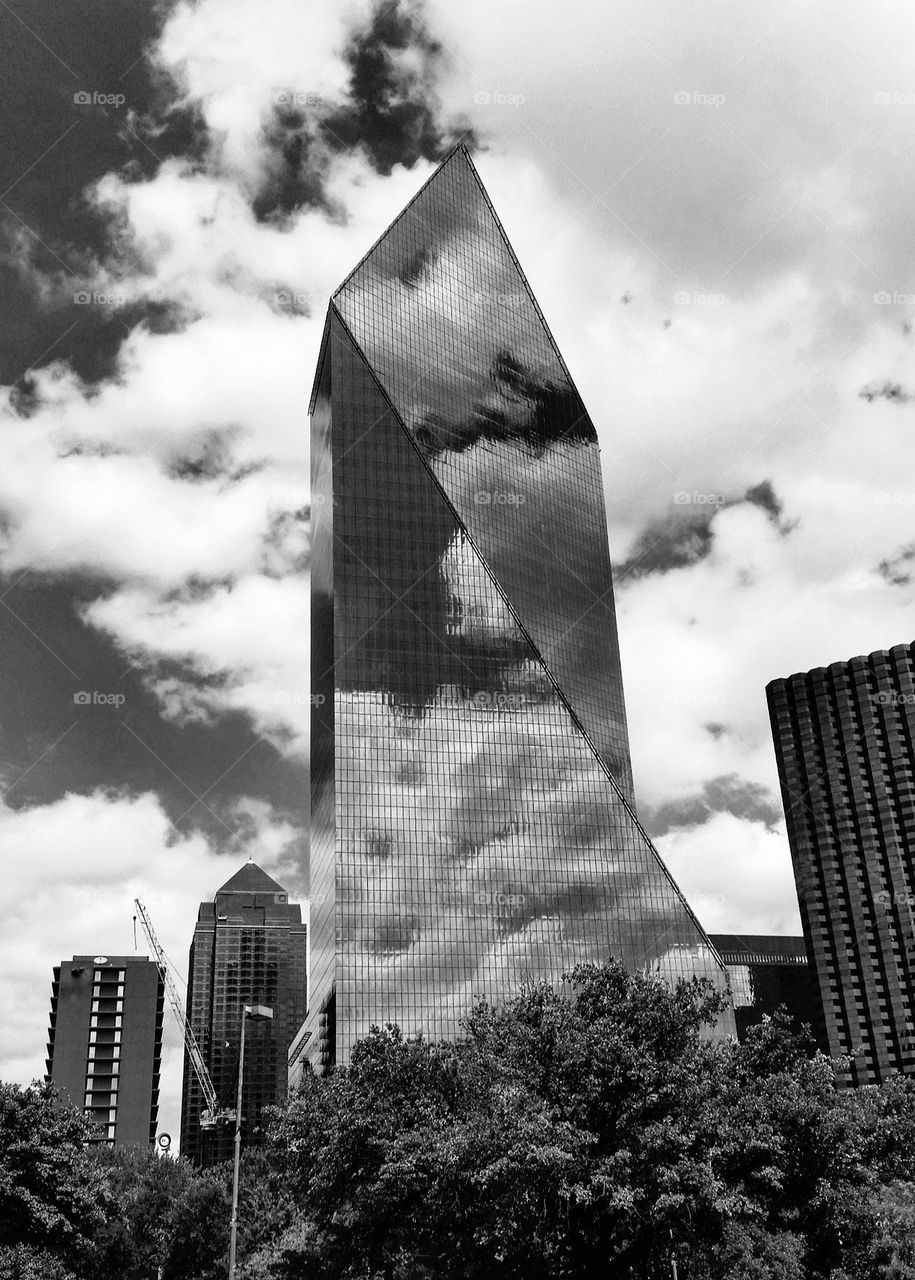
258,1011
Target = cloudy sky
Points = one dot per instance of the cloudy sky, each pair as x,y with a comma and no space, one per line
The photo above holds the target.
712,203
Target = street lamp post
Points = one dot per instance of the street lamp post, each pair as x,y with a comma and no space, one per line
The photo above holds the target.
253,1011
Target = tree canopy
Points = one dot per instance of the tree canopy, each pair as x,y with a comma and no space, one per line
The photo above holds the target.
590,1131
51,1201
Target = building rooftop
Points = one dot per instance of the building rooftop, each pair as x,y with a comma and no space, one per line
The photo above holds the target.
251,879
775,946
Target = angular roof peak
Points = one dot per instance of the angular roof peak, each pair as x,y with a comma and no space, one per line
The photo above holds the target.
251,879
460,149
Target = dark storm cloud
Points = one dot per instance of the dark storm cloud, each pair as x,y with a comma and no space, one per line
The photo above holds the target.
299,164
83,101
684,536
894,392
78,717
79,100
210,457
286,525
393,109
763,495
899,570
391,112
726,794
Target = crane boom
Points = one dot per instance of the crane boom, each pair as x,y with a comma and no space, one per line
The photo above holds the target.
212,1111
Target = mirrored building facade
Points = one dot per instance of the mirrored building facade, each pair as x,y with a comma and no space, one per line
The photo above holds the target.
250,947
472,819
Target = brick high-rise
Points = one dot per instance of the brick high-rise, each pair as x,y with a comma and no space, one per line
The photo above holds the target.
845,744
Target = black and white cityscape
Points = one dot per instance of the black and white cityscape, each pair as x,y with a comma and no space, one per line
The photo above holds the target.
456,595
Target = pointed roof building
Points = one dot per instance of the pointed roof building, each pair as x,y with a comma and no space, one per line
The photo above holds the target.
249,947
252,879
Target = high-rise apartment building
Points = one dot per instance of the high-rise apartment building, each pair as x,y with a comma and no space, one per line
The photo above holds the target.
105,1043
249,948
768,972
845,745
472,819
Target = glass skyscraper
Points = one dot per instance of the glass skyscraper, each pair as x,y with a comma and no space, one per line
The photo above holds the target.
472,819
249,948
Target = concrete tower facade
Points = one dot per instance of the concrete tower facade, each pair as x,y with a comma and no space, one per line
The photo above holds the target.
845,745
105,1043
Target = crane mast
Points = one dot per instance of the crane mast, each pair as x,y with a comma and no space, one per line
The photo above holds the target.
212,1111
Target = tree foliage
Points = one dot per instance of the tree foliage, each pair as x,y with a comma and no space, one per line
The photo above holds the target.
589,1132
52,1200
586,1132
149,1194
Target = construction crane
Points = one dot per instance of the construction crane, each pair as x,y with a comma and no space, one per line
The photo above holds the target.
212,1112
